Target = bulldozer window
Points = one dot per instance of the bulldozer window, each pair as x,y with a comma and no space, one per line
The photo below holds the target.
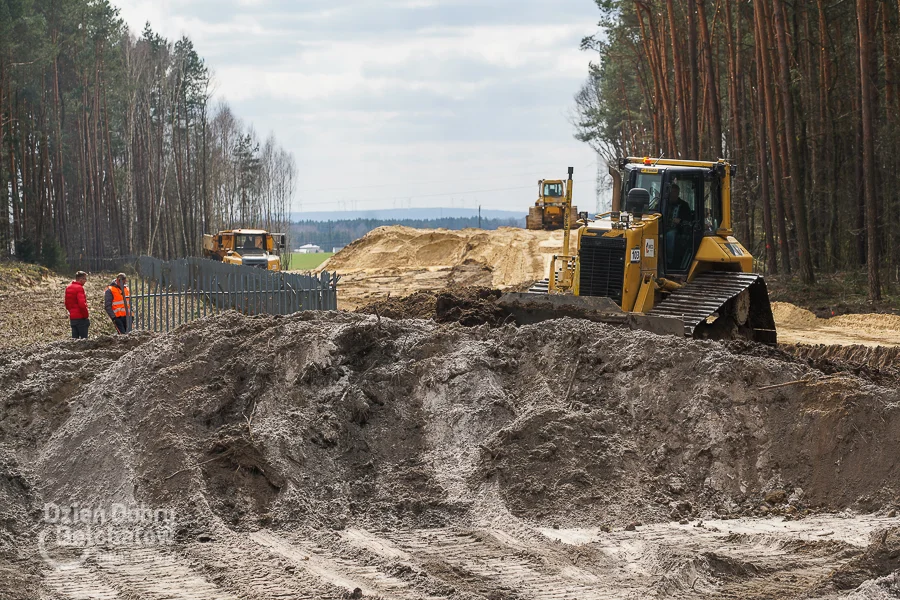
682,205
553,190
652,182
712,206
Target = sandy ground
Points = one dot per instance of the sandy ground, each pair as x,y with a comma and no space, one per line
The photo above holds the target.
799,326
746,559
34,311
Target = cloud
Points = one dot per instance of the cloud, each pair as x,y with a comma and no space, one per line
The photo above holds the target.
364,91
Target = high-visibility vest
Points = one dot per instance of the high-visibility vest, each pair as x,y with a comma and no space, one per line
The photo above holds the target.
120,304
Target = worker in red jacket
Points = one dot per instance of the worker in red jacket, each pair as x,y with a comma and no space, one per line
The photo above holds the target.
76,304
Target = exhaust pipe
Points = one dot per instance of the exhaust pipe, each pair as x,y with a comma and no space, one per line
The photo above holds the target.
617,188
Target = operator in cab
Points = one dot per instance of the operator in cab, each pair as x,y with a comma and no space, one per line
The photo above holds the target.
679,212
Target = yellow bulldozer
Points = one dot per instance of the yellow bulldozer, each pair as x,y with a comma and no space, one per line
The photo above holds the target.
550,208
667,261
248,247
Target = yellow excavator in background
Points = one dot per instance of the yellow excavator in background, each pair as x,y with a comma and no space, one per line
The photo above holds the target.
548,210
248,247
666,261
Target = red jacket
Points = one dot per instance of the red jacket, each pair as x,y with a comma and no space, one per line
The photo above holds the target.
76,302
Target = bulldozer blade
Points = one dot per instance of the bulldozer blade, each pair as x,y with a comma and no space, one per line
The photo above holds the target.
527,309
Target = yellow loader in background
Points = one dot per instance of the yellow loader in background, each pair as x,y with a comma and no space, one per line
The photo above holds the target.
248,247
667,261
549,210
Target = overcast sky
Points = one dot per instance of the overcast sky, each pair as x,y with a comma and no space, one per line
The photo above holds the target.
395,103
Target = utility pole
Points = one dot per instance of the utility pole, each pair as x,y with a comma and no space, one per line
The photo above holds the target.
479,216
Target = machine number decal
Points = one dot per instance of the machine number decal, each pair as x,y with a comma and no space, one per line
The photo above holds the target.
735,249
650,248
635,255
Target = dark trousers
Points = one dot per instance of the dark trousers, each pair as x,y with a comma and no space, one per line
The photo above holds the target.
123,324
80,328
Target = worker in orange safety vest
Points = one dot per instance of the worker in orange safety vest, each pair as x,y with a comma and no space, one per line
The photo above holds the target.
117,301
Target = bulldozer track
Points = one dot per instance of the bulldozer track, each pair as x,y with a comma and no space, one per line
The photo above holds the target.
705,296
702,298
540,287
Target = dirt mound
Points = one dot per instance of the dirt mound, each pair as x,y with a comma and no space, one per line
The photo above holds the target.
353,423
790,315
421,305
400,261
870,323
513,255
861,359
336,419
466,306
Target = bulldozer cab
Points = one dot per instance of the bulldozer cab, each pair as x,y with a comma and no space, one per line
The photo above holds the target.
553,189
689,202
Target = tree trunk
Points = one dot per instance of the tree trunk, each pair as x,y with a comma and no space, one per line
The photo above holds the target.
762,44
679,80
762,159
868,140
694,92
715,117
796,184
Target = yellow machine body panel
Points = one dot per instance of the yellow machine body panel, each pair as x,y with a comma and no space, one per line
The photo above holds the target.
640,243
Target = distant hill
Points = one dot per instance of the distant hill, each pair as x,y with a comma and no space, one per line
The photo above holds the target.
407,214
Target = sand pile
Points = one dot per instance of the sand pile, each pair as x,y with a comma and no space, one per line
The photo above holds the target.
337,419
799,326
786,314
467,306
400,261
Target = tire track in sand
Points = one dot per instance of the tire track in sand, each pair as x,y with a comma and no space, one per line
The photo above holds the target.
485,562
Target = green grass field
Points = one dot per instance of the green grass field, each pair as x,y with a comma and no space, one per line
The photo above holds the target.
308,262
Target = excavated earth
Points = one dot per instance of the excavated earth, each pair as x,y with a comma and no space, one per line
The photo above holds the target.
342,455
